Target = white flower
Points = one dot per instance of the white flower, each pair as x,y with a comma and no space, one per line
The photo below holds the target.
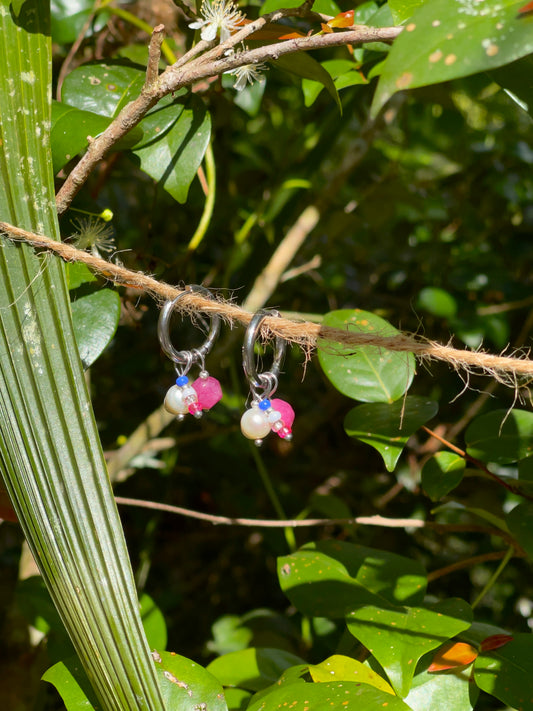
248,73
221,17
93,234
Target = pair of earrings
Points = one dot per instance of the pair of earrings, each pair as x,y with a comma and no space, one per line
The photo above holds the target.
265,413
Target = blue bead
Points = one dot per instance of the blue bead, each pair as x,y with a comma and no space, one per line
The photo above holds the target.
264,404
182,380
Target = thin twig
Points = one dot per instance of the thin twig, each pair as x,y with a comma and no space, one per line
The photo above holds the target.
309,522
470,562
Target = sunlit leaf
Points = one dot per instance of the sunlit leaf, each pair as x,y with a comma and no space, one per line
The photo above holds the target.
343,19
399,636
330,578
253,668
341,668
451,656
333,695
446,39
366,373
187,686
95,317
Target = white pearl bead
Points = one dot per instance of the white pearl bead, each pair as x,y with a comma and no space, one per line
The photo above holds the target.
174,402
254,424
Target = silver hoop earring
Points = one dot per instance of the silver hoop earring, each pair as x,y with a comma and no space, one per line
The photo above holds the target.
185,397
264,414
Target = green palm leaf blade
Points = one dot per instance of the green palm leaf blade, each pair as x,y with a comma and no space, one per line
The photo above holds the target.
50,454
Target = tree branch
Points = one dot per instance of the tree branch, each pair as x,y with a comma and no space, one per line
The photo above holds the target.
212,63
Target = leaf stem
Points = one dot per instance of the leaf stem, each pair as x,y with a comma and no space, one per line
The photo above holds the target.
210,169
494,577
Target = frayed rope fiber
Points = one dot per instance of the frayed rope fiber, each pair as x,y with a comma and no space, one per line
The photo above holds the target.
506,369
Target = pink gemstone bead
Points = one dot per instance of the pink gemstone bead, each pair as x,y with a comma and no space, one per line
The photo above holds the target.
208,390
286,411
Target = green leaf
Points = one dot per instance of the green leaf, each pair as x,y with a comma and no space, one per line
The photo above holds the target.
187,686
327,7
344,73
399,636
403,9
507,673
438,302
101,87
78,274
175,157
520,523
95,319
501,436
516,81
449,690
153,622
51,459
69,18
336,696
388,427
230,634
71,128
237,699
446,39
72,685
341,668
254,668
331,578
303,65
442,473
368,373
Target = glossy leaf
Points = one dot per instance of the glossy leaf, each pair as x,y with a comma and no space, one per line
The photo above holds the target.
306,67
343,19
507,673
453,656
174,158
100,87
78,274
343,72
254,668
341,668
452,690
520,523
72,684
403,9
71,129
388,427
399,636
95,319
331,578
442,473
333,695
187,686
154,623
446,39
69,18
367,373
237,699
501,436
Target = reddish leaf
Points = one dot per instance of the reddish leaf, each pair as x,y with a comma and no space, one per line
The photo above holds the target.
495,641
453,655
325,28
274,32
528,7
343,19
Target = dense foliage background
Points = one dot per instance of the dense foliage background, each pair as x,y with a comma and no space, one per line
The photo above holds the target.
425,219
